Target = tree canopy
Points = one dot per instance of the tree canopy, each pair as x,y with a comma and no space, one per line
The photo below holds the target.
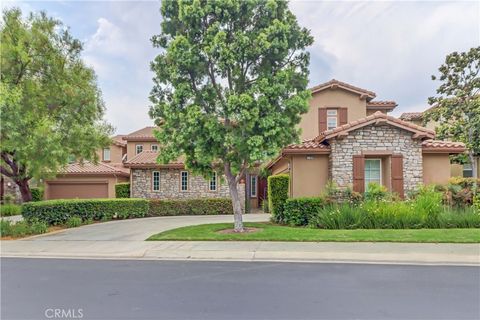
230,84
51,106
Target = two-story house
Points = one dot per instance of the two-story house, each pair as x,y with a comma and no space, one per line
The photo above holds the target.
349,138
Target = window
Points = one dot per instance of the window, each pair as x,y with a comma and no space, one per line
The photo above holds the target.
212,186
373,171
184,181
106,154
467,170
253,186
154,147
156,180
332,119
138,148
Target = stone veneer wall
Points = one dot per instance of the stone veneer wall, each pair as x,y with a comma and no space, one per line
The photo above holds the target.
379,138
170,186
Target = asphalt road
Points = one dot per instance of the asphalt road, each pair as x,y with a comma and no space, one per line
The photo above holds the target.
108,289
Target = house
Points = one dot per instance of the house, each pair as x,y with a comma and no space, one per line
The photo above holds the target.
349,138
90,180
456,170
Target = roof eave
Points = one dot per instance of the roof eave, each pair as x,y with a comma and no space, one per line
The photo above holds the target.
449,150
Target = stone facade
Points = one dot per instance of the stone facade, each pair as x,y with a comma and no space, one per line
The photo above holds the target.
198,187
376,138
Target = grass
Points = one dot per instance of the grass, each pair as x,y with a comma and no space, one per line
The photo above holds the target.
272,232
7,210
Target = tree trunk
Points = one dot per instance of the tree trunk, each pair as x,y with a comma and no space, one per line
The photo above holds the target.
237,207
24,190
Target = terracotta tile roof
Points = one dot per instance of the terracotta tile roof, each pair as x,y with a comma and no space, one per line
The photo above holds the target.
148,159
411,116
443,146
339,84
118,140
144,134
389,105
307,145
375,118
89,168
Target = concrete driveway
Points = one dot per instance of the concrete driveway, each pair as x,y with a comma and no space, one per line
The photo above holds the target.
138,229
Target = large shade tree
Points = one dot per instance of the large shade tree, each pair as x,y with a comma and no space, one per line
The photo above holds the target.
456,107
230,85
51,106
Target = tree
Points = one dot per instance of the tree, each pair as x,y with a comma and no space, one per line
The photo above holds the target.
230,85
51,107
457,105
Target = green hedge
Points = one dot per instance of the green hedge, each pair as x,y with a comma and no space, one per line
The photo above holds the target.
10,210
204,206
55,212
122,190
299,211
277,195
37,194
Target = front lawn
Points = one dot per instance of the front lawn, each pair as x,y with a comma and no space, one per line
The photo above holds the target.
272,232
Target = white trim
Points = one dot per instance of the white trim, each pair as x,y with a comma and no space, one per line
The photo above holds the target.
136,148
181,184
253,192
365,169
332,116
109,154
153,179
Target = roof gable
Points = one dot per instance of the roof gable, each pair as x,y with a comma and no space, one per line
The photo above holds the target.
144,134
335,84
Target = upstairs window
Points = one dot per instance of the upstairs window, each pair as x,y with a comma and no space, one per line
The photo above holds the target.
106,154
332,119
184,181
138,148
154,147
213,182
156,180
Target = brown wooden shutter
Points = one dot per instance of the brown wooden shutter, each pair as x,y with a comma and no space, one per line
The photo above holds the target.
322,120
342,116
359,173
397,174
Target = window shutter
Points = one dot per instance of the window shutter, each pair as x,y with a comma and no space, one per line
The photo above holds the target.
342,116
359,173
397,174
322,120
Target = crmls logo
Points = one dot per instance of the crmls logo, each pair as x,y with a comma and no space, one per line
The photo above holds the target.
60,313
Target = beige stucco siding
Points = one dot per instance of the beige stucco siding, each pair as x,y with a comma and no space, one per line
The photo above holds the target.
436,168
281,166
116,154
308,177
131,147
357,108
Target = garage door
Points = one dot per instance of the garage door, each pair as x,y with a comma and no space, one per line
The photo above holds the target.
83,190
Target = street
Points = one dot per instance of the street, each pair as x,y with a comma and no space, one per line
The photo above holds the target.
124,289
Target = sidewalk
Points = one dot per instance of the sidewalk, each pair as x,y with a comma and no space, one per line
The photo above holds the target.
387,253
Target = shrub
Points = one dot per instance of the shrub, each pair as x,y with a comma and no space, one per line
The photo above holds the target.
74,222
265,206
22,228
37,194
122,190
476,203
10,210
299,211
203,206
55,212
277,195
464,182
375,191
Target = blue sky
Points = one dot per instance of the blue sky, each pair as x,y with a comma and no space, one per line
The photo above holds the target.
391,48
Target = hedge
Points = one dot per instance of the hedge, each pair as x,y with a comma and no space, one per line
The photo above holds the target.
277,195
37,194
300,211
204,206
55,212
122,190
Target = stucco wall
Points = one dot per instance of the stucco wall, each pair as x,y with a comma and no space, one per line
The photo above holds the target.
116,154
377,138
131,147
436,168
281,166
308,176
357,108
141,186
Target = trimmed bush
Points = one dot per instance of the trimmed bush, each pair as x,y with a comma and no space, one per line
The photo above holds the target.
278,195
54,212
299,211
122,190
37,194
74,222
203,206
7,210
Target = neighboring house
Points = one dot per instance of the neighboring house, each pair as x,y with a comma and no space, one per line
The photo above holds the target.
349,139
456,170
89,180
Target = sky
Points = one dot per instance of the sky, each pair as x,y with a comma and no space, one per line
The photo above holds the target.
391,48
